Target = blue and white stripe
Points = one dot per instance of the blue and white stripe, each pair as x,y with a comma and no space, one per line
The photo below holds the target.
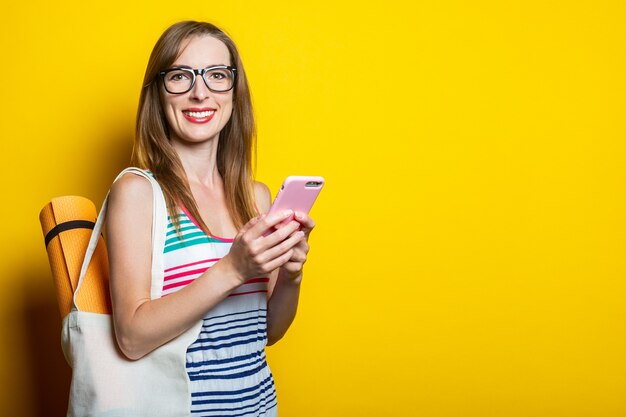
226,365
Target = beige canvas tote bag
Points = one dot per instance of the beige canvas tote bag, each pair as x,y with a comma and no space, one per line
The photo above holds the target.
104,382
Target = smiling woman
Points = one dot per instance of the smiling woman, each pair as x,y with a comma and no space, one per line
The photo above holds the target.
224,261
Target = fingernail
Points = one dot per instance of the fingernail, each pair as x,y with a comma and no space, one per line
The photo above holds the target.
287,213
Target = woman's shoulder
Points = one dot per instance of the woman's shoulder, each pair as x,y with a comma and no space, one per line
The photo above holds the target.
262,196
133,189
130,205
131,182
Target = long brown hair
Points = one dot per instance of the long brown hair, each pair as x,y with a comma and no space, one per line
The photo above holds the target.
153,150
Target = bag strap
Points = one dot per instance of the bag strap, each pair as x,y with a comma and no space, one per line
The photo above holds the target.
159,225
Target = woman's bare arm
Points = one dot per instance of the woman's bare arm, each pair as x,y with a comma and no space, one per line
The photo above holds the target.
142,324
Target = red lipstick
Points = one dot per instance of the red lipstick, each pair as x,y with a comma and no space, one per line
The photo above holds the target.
199,115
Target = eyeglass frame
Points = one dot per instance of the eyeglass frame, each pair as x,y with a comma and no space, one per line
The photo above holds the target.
200,72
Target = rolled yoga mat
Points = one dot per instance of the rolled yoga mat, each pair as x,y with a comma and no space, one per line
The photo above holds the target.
67,223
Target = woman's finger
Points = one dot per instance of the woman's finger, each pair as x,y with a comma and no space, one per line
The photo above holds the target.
250,223
278,235
278,262
278,250
298,257
306,223
268,222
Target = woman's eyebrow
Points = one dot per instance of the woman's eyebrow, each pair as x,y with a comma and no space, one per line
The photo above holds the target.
208,66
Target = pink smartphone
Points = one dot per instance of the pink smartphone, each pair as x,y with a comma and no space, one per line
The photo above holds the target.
297,193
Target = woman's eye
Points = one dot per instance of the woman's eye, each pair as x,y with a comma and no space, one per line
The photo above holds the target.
218,76
178,76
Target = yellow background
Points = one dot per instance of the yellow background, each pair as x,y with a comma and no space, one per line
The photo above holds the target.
469,255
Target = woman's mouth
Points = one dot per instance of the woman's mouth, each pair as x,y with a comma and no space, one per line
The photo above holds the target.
199,115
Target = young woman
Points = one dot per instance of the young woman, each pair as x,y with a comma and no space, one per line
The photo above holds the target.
195,132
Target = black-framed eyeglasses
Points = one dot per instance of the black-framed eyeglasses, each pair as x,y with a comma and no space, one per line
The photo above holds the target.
218,78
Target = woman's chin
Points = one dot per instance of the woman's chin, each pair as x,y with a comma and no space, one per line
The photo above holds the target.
196,139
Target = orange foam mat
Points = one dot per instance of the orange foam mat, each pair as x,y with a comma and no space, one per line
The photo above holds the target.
67,223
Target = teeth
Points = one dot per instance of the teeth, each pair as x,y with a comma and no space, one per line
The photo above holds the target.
199,114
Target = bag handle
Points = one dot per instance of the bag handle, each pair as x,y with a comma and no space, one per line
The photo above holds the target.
159,225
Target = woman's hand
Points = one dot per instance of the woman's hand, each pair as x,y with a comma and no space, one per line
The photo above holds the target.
255,253
285,286
292,269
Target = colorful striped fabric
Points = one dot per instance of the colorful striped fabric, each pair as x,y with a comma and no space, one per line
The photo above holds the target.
226,365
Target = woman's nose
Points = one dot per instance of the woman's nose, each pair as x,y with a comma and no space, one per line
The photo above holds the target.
200,91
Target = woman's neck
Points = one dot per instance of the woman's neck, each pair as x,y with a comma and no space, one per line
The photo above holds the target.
199,162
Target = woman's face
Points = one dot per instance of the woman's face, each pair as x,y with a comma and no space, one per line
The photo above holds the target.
199,114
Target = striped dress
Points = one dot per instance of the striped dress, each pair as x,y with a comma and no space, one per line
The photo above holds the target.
226,365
